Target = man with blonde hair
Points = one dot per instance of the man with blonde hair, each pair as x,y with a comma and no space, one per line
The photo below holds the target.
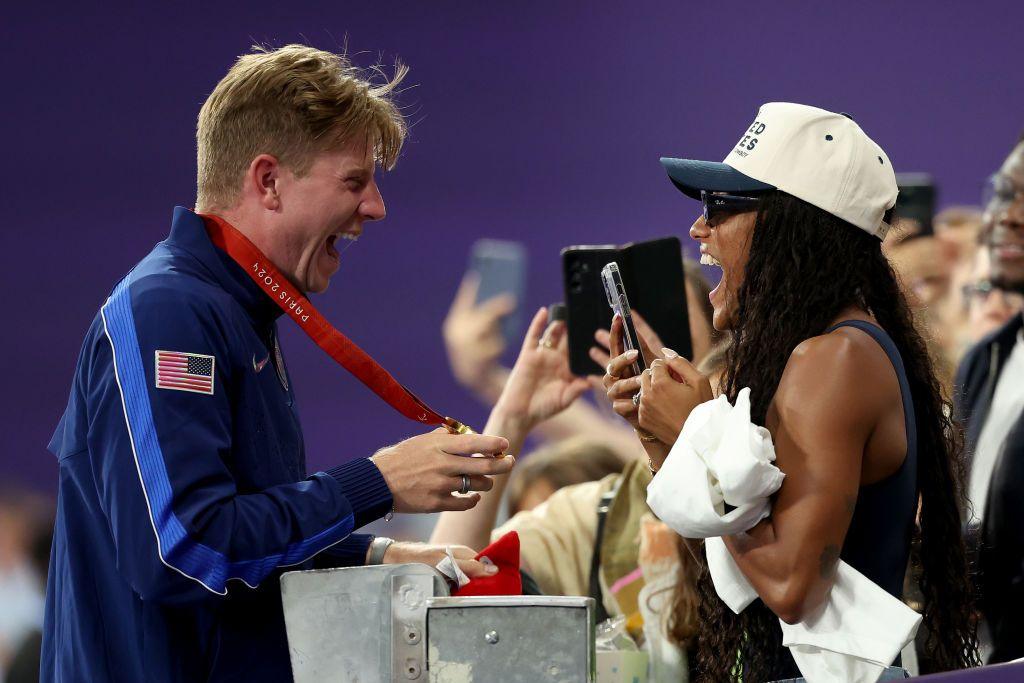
183,489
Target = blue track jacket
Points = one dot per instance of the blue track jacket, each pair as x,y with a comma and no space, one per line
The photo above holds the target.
179,505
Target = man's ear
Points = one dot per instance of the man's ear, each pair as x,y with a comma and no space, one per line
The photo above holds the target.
262,178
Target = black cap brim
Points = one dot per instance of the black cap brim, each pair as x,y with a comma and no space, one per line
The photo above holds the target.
692,176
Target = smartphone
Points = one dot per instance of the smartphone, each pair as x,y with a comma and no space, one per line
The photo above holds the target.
652,273
619,303
557,312
501,267
585,302
915,204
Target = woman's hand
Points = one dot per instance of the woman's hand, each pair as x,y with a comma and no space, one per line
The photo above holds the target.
649,340
669,390
619,382
621,385
540,384
472,335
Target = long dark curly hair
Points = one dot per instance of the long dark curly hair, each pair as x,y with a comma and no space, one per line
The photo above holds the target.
805,267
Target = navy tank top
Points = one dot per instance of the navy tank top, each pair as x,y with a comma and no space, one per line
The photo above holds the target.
878,541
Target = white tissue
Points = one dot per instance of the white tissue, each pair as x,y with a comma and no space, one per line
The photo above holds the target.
721,457
451,570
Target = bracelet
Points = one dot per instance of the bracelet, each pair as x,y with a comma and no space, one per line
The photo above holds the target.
378,546
645,436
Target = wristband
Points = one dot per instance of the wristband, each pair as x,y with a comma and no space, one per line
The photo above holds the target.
378,546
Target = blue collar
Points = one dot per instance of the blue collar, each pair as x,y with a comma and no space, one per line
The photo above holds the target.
188,232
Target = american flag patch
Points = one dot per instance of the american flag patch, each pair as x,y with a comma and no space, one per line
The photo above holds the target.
185,371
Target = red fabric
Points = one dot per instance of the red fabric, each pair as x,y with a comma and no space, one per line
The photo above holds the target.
504,553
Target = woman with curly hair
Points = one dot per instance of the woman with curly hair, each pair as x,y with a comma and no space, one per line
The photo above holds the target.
838,375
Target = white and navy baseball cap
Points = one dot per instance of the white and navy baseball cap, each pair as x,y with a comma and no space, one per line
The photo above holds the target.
820,157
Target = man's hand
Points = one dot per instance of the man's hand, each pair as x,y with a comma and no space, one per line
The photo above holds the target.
400,553
422,472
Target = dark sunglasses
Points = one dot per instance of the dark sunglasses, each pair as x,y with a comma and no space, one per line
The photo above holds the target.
719,206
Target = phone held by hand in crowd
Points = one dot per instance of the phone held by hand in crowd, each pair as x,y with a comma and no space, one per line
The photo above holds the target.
501,267
619,303
915,205
652,273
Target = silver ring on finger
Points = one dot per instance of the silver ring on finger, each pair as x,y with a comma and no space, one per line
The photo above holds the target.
465,484
636,399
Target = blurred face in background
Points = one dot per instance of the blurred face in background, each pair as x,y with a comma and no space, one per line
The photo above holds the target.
988,307
1004,223
959,228
925,265
960,225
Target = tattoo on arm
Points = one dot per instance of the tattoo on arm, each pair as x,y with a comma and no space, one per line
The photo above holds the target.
827,561
830,555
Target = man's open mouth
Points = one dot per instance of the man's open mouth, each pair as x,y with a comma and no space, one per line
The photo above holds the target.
332,242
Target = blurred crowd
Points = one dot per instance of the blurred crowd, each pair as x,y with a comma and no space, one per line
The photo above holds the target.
26,532
946,276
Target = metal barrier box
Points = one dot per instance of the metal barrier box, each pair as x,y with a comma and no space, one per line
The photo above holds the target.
522,639
359,624
394,623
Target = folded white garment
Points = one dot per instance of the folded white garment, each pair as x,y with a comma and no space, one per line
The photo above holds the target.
855,635
721,457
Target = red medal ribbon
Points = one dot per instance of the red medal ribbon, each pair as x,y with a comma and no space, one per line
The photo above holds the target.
327,337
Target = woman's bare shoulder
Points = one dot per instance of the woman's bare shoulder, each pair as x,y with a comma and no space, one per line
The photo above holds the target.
843,376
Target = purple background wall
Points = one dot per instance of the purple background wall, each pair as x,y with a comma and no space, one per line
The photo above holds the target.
536,121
